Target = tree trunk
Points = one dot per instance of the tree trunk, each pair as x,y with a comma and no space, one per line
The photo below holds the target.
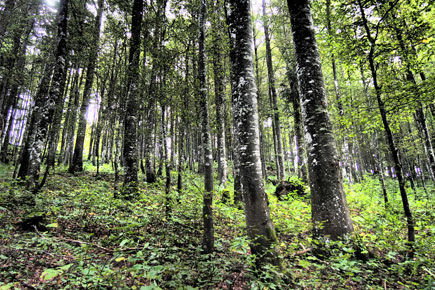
258,93
208,239
273,99
295,100
77,159
330,212
388,133
219,88
42,92
49,102
131,114
259,225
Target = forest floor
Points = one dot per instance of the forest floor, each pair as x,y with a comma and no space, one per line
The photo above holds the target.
87,238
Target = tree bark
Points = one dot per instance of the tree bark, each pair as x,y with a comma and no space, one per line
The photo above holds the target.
273,99
330,212
45,112
219,89
295,100
208,239
259,225
131,107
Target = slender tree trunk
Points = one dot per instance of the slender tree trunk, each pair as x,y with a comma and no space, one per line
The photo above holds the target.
273,99
257,83
330,212
183,125
388,133
295,100
77,159
219,85
259,225
208,239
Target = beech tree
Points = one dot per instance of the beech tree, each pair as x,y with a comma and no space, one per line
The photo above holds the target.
260,228
276,124
205,132
329,208
130,150
43,115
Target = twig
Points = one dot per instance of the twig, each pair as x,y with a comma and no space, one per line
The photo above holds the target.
302,252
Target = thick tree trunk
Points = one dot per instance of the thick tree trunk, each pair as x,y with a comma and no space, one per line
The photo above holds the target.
42,92
49,102
259,225
330,212
131,108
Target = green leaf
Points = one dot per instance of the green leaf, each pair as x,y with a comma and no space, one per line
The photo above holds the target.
65,267
304,263
49,274
123,242
53,225
7,286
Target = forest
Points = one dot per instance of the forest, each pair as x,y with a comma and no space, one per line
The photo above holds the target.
217,144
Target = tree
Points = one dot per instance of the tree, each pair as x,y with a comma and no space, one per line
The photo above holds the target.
244,101
77,159
330,213
372,39
131,106
219,90
276,124
45,112
206,139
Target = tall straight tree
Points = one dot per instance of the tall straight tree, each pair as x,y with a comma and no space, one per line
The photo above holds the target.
131,106
77,159
330,212
276,124
44,114
245,109
208,240
219,89
372,40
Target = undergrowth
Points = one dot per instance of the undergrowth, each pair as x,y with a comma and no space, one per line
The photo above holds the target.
78,235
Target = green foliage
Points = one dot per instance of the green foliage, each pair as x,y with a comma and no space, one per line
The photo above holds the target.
89,239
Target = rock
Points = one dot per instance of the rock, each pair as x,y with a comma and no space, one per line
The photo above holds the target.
286,187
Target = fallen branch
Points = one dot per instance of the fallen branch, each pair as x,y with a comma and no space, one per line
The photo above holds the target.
302,252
